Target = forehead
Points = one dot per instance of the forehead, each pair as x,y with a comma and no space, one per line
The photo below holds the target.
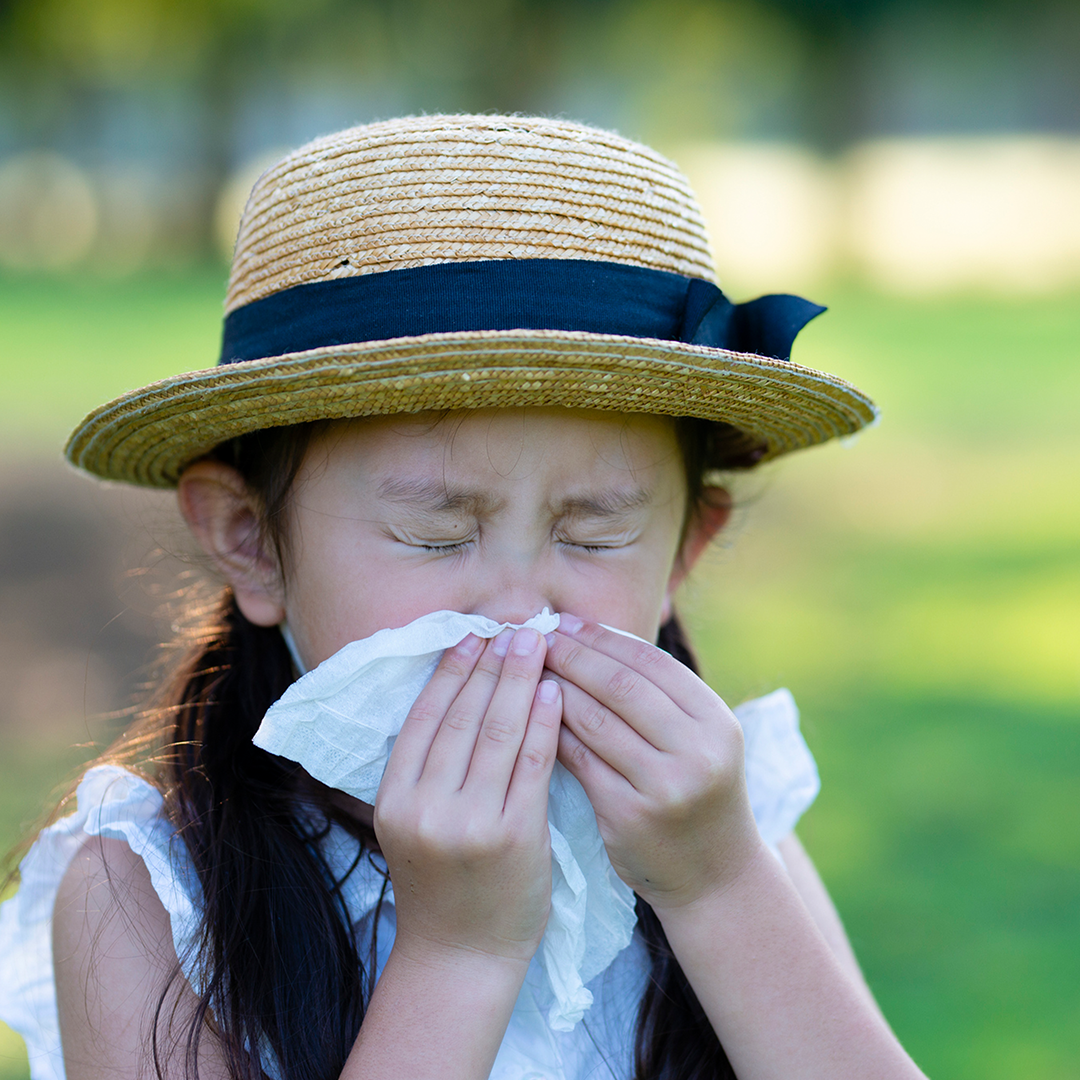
498,446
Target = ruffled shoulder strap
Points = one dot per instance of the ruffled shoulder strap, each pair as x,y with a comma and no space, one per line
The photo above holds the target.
110,802
781,774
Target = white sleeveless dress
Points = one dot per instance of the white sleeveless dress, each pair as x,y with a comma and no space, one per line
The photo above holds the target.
781,778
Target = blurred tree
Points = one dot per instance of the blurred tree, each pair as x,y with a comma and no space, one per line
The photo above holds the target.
675,59
105,78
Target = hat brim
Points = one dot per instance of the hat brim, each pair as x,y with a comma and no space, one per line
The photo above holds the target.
148,436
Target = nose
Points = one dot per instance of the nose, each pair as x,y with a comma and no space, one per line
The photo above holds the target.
514,610
515,590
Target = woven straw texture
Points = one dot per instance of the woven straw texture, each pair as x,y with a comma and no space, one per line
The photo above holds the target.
429,190
456,189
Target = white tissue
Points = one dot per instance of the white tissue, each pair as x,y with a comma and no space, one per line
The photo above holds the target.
781,776
339,722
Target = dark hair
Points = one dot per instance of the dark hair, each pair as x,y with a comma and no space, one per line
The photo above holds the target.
282,971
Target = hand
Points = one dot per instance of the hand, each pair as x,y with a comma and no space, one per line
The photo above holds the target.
461,815
661,759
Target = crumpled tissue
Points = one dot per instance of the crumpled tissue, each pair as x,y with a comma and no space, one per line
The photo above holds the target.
339,721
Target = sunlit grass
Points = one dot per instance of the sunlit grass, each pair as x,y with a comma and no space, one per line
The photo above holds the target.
69,345
13,1063
944,832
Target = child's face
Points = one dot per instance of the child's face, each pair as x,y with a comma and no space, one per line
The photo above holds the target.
499,512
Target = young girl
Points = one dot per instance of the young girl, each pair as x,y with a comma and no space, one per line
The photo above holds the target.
475,365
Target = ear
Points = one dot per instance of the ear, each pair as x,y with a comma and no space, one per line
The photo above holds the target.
709,517
224,517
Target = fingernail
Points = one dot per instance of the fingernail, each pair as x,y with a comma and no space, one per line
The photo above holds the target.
550,639
525,641
548,691
470,644
570,624
501,644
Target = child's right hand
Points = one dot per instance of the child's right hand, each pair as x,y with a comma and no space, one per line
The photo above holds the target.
461,815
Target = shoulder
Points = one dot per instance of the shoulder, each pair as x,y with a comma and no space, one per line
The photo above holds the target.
118,850
116,971
112,939
107,882
117,867
112,959
114,857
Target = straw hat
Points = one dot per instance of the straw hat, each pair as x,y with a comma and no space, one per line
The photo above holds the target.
448,262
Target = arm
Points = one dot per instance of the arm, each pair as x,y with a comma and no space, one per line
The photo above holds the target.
815,896
461,818
113,955
661,759
435,1015
780,1000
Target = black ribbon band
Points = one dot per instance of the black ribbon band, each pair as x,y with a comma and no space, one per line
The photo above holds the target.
512,294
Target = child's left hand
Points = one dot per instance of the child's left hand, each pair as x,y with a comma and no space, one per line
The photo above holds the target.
660,757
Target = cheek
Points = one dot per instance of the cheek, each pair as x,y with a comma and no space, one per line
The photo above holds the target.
325,603
628,596
343,591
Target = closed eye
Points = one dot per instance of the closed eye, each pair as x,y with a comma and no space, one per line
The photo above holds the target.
444,549
443,546
593,546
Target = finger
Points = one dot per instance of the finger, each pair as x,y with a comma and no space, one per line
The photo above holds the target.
608,736
421,725
618,687
675,679
528,788
501,734
452,748
601,782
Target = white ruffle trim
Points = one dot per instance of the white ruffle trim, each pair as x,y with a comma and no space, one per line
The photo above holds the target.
111,803
781,775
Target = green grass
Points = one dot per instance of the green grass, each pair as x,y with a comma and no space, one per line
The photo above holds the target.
13,1062
945,833
958,370
919,593
68,345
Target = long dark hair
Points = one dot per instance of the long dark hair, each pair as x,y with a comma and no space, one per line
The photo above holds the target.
281,971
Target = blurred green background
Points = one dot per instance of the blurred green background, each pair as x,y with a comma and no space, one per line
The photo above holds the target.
914,165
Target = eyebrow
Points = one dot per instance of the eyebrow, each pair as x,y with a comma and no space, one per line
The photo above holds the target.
605,504
436,496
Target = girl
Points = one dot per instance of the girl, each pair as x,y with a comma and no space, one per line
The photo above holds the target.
472,364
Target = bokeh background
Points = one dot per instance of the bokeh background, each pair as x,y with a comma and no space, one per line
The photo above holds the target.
915,164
